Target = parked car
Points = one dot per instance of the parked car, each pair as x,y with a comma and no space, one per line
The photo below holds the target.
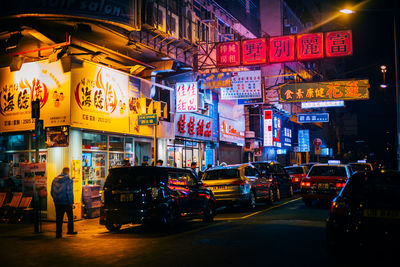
324,182
366,213
296,173
241,183
360,166
281,181
144,194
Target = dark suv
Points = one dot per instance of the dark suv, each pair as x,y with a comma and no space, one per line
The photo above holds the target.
281,181
153,194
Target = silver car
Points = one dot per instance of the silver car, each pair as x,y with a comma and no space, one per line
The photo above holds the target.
241,183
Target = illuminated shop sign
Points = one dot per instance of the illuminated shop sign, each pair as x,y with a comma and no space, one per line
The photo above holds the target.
245,85
268,129
232,130
301,47
276,130
322,104
312,117
187,97
254,51
304,140
193,126
214,80
287,135
228,54
335,90
37,80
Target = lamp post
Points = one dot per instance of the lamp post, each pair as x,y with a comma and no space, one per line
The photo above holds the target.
383,69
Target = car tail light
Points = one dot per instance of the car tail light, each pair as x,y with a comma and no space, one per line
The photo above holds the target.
305,184
340,185
296,179
338,207
239,182
270,179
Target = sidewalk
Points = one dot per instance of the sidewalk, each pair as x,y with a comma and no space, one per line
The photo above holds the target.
83,227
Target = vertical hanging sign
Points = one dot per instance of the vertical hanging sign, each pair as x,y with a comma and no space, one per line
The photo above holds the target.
187,97
268,131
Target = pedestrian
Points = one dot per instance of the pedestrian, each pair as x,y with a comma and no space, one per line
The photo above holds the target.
193,166
63,197
159,162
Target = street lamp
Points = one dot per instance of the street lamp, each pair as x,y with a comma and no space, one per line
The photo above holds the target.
396,66
383,70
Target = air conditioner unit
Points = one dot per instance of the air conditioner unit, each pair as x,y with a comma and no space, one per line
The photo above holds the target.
201,101
160,108
293,29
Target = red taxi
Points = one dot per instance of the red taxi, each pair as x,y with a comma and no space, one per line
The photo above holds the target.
297,173
324,182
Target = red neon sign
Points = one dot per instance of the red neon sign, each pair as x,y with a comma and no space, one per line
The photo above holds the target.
228,54
282,49
310,46
338,44
254,51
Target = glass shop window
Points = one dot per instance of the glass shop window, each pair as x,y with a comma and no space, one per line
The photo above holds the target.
94,141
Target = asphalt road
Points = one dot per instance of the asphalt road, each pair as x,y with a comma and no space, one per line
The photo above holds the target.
286,234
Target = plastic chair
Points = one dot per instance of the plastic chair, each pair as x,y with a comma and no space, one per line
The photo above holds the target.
11,207
19,213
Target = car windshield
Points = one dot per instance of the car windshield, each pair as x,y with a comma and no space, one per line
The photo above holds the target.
133,178
221,174
263,167
327,171
294,170
360,167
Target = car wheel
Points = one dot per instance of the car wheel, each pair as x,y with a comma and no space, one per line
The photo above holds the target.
277,195
271,197
113,226
252,201
209,213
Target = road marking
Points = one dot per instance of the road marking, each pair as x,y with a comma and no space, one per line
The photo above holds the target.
257,212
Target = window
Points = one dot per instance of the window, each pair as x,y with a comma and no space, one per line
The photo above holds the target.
116,143
249,171
94,141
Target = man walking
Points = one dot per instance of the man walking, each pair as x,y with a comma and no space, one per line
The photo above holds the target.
63,197
193,167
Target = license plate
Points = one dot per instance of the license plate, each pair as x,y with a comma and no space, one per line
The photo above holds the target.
220,187
126,197
323,186
376,213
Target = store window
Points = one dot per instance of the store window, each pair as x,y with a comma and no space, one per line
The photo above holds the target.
94,141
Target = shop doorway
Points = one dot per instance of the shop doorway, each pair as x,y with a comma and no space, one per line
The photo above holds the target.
142,153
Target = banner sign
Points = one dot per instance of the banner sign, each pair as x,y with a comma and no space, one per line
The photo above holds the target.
304,140
250,101
187,97
335,90
322,104
214,80
312,117
268,130
245,85
100,99
288,48
193,126
37,80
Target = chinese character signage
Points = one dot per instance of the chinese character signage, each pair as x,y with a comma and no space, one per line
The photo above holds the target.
187,97
335,90
100,99
254,51
304,140
282,49
268,130
194,126
228,54
312,117
310,46
37,80
214,80
245,85
276,130
338,44
147,119
287,48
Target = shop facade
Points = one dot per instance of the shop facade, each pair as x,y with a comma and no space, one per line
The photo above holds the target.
90,122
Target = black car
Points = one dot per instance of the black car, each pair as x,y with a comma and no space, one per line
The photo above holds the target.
145,194
366,213
280,179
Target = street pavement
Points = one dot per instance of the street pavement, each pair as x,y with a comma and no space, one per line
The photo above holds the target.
285,234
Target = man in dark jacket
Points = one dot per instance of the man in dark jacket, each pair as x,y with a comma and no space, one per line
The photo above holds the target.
63,196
